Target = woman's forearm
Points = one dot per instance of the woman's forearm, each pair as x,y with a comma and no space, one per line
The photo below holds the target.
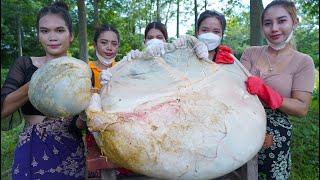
15,100
298,105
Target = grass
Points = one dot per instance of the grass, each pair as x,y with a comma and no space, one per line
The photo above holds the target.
305,143
9,140
305,147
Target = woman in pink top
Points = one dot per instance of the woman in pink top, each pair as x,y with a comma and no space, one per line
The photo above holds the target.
283,80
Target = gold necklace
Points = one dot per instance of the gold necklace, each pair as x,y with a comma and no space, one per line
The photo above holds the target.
270,69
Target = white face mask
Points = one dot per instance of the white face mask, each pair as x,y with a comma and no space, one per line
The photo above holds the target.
211,40
281,45
103,60
154,42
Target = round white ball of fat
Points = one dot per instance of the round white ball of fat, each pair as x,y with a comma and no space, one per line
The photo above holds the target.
61,87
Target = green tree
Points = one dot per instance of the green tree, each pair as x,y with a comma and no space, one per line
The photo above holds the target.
82,30
237,34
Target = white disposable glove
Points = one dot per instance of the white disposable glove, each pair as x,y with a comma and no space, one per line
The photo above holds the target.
155,47
201,50
180,42
105,77
134,54
199,47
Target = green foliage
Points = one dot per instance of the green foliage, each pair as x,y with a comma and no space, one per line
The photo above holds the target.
310,9
11,12
307,37
237,33
9,140
305,147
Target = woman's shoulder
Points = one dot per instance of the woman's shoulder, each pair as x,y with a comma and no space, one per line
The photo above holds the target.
303,59
254,49
22,61
252,53
92,64
302,55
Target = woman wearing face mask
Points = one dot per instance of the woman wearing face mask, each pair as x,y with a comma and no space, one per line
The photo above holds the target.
283,80
210,29
155,36
106,41
46,148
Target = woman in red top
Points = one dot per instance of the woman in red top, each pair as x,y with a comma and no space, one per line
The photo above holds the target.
210,29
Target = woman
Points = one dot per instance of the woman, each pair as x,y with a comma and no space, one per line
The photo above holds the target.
283,80
155,31
210,30
46,149
106,41
155,36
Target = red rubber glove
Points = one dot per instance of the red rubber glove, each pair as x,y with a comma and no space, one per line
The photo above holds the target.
270,97
224,55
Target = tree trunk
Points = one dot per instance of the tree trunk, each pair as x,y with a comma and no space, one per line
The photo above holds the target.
195,16
19,36
167,14
96,13
256,9
178,12
82,30
158,11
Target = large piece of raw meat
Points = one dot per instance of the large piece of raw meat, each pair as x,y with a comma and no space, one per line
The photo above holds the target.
178,117
61,87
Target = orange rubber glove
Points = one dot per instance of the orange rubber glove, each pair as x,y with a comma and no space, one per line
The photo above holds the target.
270,97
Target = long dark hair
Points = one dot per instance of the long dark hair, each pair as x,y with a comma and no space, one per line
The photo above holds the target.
59,8
156,25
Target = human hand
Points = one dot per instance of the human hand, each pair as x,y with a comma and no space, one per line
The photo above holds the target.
272,98
201,50
105,77
224,55
134,54
81,123
199,47
268,141
180,42
155,49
